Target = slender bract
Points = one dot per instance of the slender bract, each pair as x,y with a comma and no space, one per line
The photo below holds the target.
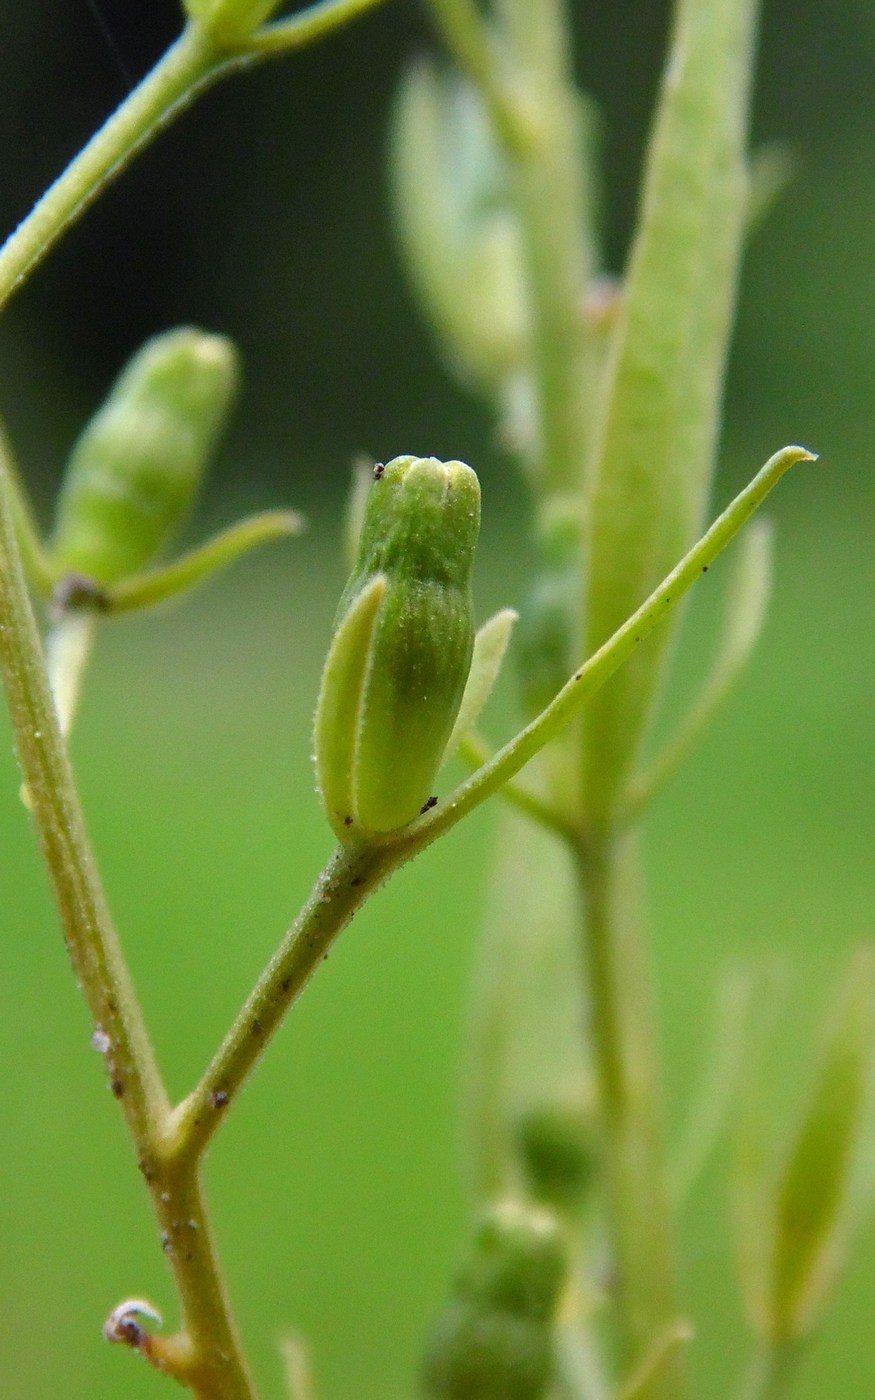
133,473
401,652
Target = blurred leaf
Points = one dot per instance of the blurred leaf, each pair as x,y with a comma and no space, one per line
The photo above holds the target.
814,1205
744,613
655,453
490,646
526,1045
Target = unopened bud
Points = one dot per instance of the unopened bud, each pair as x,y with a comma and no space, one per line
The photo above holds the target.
134,471
556,1148
494,1339
401,651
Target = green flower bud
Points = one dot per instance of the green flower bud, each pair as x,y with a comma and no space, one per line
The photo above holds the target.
134,471
231,20
555,1143
401,652
494,1339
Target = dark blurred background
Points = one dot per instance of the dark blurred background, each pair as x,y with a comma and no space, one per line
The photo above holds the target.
263,214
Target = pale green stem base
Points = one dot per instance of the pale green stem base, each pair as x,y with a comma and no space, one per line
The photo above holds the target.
625,1044
769,1372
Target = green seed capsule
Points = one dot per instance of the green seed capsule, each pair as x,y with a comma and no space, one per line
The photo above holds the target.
401,652
133,473
494,1339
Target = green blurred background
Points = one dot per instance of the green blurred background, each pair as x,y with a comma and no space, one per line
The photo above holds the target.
336,1183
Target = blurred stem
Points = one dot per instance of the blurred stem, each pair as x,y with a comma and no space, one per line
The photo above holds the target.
523,74
625,1046
768,1373
550,204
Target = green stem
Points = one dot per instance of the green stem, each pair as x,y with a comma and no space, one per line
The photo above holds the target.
91,938
306,27
619,990
196,60
477,51
175,81
206,1356
551,208
349,878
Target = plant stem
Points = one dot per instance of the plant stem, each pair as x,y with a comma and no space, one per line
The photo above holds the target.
347,881
173,83
769,1370
551,208
619,989
91,938
206,1356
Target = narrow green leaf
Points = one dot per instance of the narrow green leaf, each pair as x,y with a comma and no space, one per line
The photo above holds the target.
157,585
814,1198
338,712
656,1360
655,449
490,646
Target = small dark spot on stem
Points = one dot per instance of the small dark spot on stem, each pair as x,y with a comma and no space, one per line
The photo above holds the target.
347,821
285,984
118,1088
356,881
578,675
705,568
427,806
256,1027
219,1098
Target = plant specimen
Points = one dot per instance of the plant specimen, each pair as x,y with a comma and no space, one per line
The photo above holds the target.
608,395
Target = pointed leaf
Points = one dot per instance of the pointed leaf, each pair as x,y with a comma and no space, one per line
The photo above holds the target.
490,646
157,585
338,712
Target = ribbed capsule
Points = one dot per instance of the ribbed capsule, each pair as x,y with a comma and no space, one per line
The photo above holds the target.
401,650
133,473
